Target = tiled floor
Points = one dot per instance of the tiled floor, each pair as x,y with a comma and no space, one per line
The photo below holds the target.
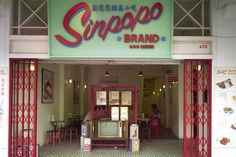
166,134
156,148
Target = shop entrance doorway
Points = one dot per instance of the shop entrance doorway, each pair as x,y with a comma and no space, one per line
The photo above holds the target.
197,108
23,105
23,108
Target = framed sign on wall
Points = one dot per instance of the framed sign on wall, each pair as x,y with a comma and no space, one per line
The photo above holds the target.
47,86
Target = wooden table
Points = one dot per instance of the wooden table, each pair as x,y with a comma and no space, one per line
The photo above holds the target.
144,128
56,123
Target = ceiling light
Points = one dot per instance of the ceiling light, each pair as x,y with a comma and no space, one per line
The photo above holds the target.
32,67
140,73
107,73
70,81
199,67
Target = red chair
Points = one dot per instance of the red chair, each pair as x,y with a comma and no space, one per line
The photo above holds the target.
53,136
155,127
71,132
57,135
49,135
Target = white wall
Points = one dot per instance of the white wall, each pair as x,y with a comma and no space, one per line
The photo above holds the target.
174,110
68,93
46,110
77,73
224,32
181,99
176,107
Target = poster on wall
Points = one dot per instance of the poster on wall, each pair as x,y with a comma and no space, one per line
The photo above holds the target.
225,105
101,98
3,92
114,98
47,86
126,98
110,29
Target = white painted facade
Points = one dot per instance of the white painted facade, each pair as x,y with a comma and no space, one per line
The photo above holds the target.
221,48
224,46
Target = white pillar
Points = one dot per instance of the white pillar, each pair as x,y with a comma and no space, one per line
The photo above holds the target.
181,98
4,65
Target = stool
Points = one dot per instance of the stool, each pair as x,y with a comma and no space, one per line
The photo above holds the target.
52,136
147,132
71,132
49,135
57,136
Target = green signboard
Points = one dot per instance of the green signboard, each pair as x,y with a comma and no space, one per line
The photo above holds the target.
110,28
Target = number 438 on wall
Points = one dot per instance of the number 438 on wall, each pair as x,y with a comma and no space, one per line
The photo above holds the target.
203,46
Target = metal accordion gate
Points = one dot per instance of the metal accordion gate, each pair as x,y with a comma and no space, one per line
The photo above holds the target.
197,108
23,108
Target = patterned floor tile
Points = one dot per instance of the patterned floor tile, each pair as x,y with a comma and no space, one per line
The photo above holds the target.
156,148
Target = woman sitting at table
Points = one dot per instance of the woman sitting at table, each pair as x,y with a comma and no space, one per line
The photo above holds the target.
154,123
156,112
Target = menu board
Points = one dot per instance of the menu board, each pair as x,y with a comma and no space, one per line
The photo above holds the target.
126,98
101,98
115,113
225,105
114,98
124,113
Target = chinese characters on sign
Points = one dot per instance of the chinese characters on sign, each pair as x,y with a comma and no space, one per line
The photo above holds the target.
3,79
109,7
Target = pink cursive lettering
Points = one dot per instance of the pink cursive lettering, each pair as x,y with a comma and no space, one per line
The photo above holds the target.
115,25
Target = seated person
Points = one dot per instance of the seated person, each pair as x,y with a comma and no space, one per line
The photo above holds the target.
156,112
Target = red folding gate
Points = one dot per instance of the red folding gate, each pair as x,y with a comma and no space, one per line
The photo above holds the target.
197,108
23,108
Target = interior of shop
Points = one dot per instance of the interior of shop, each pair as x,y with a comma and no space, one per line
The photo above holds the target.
71,99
